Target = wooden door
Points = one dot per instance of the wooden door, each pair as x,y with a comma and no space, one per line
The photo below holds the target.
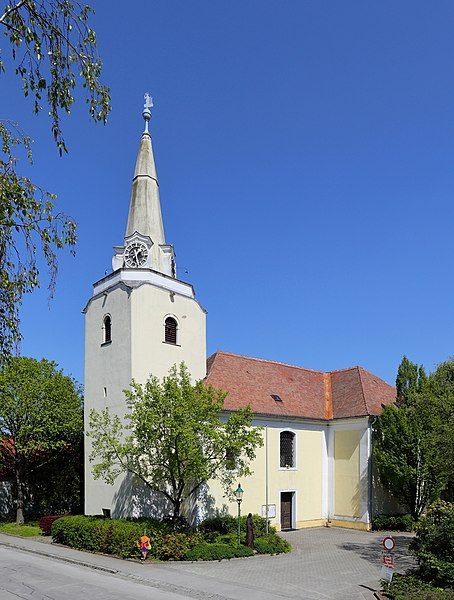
286,510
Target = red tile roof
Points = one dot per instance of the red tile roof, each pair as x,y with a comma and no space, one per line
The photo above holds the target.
303,392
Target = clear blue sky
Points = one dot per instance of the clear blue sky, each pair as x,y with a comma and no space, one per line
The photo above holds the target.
305,151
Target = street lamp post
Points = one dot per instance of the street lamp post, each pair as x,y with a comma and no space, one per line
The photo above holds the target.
239,497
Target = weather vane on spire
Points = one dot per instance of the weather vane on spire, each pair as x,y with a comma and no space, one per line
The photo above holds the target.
146,113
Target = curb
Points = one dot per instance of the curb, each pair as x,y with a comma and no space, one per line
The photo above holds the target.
61,558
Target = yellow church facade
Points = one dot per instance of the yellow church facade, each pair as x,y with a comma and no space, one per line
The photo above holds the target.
315,465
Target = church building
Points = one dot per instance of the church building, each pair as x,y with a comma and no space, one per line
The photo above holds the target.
315,465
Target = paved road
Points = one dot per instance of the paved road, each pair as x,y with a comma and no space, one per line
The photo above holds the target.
27,576
325,564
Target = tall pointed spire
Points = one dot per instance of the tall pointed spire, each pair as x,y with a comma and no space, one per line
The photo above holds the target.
145,207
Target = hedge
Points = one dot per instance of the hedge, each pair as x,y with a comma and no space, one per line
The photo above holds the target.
393,522
119,537
227,524
205,551
434,544
409,587
271,544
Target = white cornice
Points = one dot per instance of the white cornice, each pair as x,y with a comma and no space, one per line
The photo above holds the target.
129,276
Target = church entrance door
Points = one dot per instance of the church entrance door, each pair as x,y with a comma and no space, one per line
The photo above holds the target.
286,510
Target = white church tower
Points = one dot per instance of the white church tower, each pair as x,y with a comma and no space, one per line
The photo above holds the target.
140,320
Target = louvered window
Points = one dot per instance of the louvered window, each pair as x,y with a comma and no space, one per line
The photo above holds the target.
107,329
171,330
287,440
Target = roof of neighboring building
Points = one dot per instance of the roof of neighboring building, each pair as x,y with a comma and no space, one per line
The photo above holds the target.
278,389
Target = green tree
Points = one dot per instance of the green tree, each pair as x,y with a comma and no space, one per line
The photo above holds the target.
53,49
410,378
175,438
414,440
40,417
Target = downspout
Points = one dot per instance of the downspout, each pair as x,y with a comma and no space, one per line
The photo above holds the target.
266,477
371,468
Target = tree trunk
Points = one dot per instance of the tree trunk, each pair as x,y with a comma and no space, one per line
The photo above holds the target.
19,499
176,509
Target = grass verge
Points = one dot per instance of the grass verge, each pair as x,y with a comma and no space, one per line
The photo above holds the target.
27,530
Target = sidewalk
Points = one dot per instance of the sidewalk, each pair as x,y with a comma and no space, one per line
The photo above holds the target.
325,564
157,575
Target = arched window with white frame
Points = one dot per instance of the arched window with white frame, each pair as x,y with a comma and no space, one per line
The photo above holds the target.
170,330
107,329
287,448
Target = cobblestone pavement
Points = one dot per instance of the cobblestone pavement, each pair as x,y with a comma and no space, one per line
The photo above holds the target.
335,563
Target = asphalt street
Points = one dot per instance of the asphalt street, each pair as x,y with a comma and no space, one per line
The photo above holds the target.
27,576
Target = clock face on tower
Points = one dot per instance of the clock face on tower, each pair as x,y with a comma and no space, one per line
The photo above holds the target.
136,254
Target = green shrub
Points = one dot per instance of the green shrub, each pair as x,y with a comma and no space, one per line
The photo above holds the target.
124,538
79,532
228,524
206,551
434,544
393,522
271,544
409,587
119,537
150,525
230,538
174,546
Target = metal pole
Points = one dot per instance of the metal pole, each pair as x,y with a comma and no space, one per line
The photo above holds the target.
239,524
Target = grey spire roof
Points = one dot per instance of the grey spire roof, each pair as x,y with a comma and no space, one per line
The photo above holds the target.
144,206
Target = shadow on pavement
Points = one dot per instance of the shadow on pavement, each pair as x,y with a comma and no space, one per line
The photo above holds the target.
373,552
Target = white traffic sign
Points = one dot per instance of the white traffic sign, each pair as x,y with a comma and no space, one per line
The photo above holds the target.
389,543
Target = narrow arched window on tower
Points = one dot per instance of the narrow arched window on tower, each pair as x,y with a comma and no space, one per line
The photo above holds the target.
287,449
107,329
170,331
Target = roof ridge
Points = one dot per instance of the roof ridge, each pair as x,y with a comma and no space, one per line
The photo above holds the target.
346,369
266,360
362,390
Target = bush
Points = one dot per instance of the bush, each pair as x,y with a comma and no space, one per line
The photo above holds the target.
271,544
84,533
174,546
434,544
228,524
393,522
45,523
408,587
206,551
119,537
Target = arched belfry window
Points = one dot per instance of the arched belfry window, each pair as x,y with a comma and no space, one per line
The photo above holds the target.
107,329
170,335
287,449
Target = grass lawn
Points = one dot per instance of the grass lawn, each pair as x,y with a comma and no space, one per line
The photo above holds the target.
27,530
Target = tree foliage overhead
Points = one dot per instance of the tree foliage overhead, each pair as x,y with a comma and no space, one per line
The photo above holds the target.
174,440
52,47
40,417
52,51
414,439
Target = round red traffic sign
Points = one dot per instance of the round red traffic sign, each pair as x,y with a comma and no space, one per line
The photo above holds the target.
389,543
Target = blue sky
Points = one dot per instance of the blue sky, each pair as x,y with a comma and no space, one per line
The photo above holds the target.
305,151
